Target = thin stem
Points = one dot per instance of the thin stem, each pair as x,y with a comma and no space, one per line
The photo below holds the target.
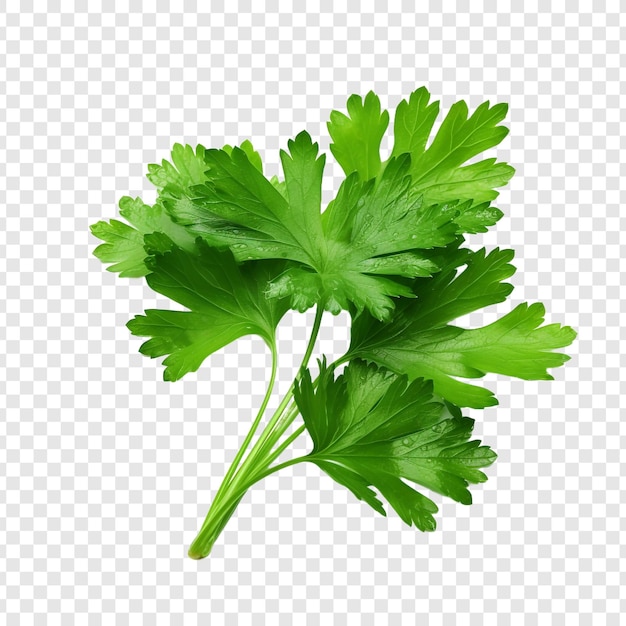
314,332
239,491
286,420
283,446
280,410
276,468
204,541
270,430
280,427
255,424
241,479
246,442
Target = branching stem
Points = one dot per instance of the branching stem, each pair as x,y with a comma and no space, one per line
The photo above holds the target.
242,475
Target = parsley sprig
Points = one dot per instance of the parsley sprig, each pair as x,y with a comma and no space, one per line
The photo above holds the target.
238,250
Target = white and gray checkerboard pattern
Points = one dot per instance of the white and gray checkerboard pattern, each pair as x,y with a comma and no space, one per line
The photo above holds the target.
106,471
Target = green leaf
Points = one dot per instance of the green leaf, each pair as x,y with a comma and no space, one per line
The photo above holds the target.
384,217
384,220
175,196
253,156
450,294
515,345
371,428
436,171
124,244
461,137
279,185
303,182
476,182
373,231
358,485
357,137
413,123
476,218
446,296
337,290
239,206
187,168
225,302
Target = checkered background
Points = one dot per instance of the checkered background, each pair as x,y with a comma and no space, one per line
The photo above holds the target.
106,471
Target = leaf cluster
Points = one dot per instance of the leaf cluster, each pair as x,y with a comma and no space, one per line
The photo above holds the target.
237,250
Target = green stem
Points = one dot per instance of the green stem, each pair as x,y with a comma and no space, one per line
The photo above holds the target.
274,455
203,543
255,424
255,465
287,417
276,468
285,421
314,332
272,431
246,442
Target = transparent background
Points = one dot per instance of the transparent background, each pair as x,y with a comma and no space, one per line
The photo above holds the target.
106,471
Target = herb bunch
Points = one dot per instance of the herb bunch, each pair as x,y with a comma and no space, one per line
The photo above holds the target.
238,250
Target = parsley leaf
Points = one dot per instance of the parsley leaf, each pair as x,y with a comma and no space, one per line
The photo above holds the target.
225,302
372,231
187,168
240,207
373,228
436,171
124,245
357,136
418,343
370,428
383,218
451,294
